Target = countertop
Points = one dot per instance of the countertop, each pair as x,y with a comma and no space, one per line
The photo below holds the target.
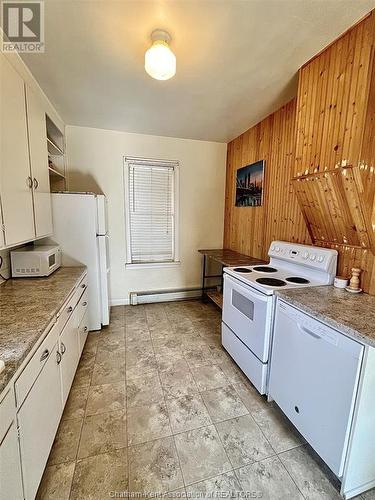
231,258
27,306
352,314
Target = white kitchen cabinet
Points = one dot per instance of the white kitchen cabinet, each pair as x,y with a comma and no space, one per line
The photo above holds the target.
36,120
10,468
38,420
15,178
68,346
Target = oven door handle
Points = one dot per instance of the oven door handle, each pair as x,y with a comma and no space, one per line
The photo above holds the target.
247,291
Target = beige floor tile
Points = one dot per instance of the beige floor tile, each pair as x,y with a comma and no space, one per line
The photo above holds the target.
146,423
154,467
145,390
85,368
223,403
233,373
276,427
201,454
102,433
108,369
310,475
112,341
368,495
56,482
222,486
76,404
91,343
198,355
96,477
106,398
178,381
209,377
243,441
187,413
66,442
250,396
268,480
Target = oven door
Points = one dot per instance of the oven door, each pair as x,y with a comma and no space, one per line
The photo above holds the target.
248,313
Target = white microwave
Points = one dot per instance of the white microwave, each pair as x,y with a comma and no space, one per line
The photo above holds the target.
34,261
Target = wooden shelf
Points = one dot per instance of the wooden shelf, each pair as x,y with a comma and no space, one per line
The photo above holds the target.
216,297
53,149
56,173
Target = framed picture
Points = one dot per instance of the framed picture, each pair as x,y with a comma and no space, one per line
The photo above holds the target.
249,185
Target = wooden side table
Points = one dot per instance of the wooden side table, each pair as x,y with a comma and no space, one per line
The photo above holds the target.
226,258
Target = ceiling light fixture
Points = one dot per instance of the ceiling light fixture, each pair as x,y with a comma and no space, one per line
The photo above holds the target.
160,61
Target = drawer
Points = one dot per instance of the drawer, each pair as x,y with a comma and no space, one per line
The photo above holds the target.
69,306
7,413
82,307
83,331
33,368
81,288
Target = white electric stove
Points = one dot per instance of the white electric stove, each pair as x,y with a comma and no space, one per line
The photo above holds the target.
249,301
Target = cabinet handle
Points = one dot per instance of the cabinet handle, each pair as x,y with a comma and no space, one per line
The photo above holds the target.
83,286
85,329
84,303
63,348
29,182
58,357
44,355
36,183
70,309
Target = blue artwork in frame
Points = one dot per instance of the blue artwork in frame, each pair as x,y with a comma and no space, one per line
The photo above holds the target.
249,185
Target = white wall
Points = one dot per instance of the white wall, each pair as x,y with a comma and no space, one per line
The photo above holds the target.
95,163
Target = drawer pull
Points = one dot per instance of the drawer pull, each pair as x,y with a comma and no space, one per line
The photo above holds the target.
70,309
58,357
84,303
83,286
85,329
63,348
44,355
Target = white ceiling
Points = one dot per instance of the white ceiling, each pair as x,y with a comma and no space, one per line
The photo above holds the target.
236,60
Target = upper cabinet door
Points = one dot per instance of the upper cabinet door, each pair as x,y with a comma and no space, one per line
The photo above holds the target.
15,177
36,120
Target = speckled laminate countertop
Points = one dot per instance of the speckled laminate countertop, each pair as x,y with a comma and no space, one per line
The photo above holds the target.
27,306
351,314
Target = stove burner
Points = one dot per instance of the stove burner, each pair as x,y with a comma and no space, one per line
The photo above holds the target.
270,282
265,269
297,279
242,270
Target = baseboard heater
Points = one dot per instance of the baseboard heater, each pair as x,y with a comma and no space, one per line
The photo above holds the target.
164,295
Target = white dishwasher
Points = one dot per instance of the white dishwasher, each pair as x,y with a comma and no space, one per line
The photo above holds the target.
314,379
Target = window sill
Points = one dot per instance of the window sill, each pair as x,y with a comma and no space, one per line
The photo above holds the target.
151,265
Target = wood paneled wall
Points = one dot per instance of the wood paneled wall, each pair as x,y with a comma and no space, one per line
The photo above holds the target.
251,230
332,119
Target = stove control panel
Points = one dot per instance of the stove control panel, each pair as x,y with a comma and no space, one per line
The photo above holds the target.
319,258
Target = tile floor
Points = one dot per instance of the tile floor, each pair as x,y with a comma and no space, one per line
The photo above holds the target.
158,407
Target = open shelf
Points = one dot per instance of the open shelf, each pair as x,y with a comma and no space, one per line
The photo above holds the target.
53,149
56,173
216,297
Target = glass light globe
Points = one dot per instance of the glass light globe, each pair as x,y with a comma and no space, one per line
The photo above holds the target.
160,62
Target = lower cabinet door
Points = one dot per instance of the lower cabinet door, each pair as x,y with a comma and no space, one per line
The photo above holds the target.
38,420
83,331
70,354
10,467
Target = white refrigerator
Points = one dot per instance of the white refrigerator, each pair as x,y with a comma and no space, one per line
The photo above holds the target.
80,228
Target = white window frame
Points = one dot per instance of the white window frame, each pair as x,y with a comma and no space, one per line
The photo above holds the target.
131,160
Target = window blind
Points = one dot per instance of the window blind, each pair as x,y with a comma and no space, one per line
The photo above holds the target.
151,212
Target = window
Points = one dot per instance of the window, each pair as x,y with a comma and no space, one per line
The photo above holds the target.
151,194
